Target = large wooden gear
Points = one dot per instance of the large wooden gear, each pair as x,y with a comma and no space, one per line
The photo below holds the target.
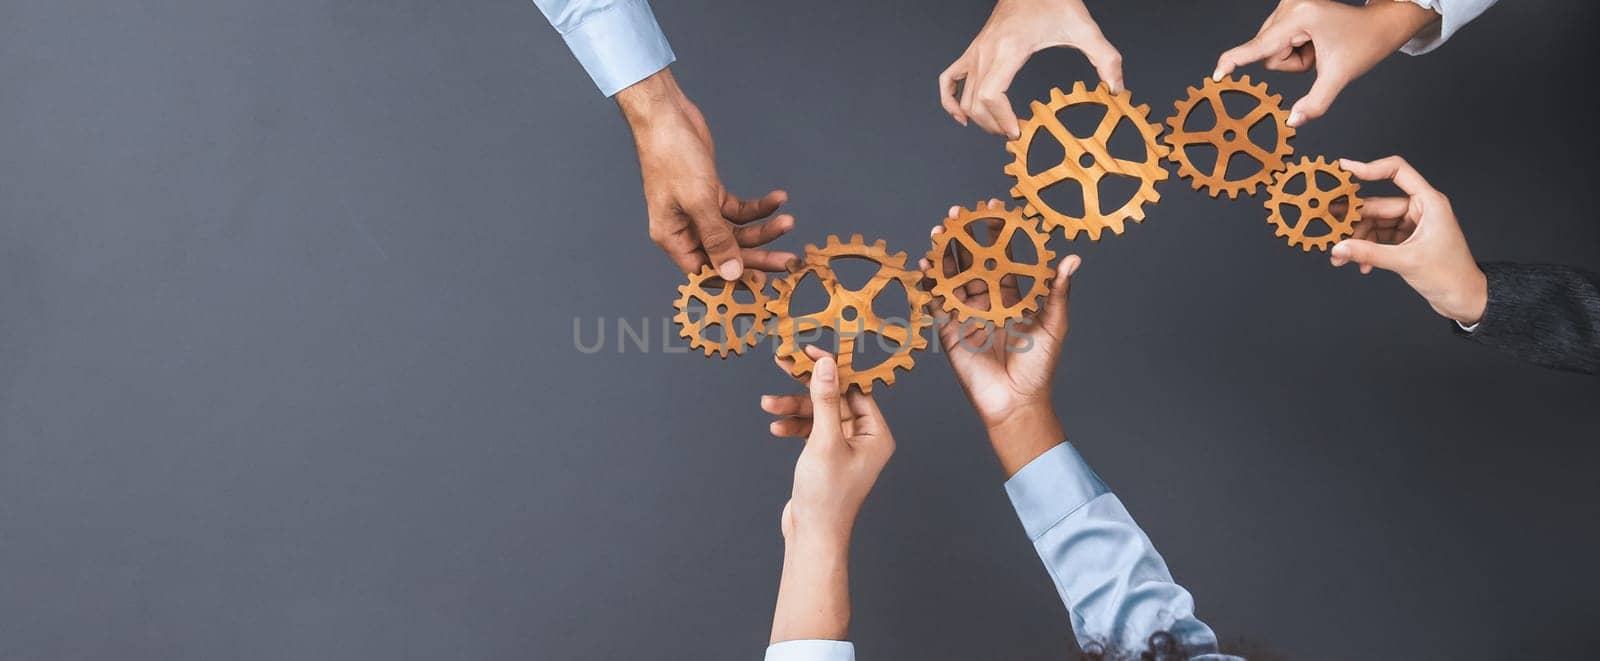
849,312
1087,161
723,310
1230,136
990,262
1314,203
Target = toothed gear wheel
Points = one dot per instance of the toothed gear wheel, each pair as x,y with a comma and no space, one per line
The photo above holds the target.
1230,136
1086,161
1314,203
723,309
849,311
990,263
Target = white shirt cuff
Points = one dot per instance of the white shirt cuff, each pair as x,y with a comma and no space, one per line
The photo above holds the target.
812,650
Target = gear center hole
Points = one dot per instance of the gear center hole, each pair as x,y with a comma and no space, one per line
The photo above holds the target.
1230,135
848,313
1314,203
1086,160
990,264
722,310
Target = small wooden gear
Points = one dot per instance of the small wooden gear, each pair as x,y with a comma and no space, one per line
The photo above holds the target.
1230,136
990,263
849,312
1087,161
1314,204
723,309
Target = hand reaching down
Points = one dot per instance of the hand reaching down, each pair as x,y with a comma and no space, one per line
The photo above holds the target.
1417,237
692,217
1340,41
1016,30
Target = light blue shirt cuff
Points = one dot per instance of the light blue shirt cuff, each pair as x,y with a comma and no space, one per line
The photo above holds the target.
812,650
1051,487
618,43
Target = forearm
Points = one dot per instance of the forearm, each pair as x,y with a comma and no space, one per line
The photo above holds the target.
814,593
1542,314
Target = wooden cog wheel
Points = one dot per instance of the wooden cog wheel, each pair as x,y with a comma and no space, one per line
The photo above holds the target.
1087,161
1230,136
989,263
849,312
1314,204
724,310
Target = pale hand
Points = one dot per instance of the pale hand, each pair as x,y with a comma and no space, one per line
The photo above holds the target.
1015,31
1417,237
1342,42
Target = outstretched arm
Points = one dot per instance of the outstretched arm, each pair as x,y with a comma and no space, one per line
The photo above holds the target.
847,445
1116,586
692,217
1545,315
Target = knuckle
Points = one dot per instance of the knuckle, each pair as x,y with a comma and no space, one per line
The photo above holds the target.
718,242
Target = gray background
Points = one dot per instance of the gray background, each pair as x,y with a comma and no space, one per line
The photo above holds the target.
287,366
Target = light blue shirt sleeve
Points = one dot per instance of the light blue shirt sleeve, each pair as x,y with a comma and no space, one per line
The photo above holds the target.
617,41
1115,585
812,650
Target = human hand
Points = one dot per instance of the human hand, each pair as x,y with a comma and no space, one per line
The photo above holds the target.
1007,372
1342,42
1015,31
847,445
692,217
1417,237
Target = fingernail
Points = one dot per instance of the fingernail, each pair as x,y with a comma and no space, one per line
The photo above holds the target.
1294,119
730,270
963,121
1014,135
824,370
1073,267
1216,76
1341,250
766,399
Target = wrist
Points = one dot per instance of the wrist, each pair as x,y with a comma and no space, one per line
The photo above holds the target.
1023,434
1400,20
816,533
651,99
1469,300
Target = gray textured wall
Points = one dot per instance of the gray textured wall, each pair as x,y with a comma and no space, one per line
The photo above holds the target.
287,369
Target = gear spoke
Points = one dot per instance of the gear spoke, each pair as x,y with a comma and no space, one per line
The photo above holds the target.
1108,125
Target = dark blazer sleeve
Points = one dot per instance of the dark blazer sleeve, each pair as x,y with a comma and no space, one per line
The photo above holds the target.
1543,314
